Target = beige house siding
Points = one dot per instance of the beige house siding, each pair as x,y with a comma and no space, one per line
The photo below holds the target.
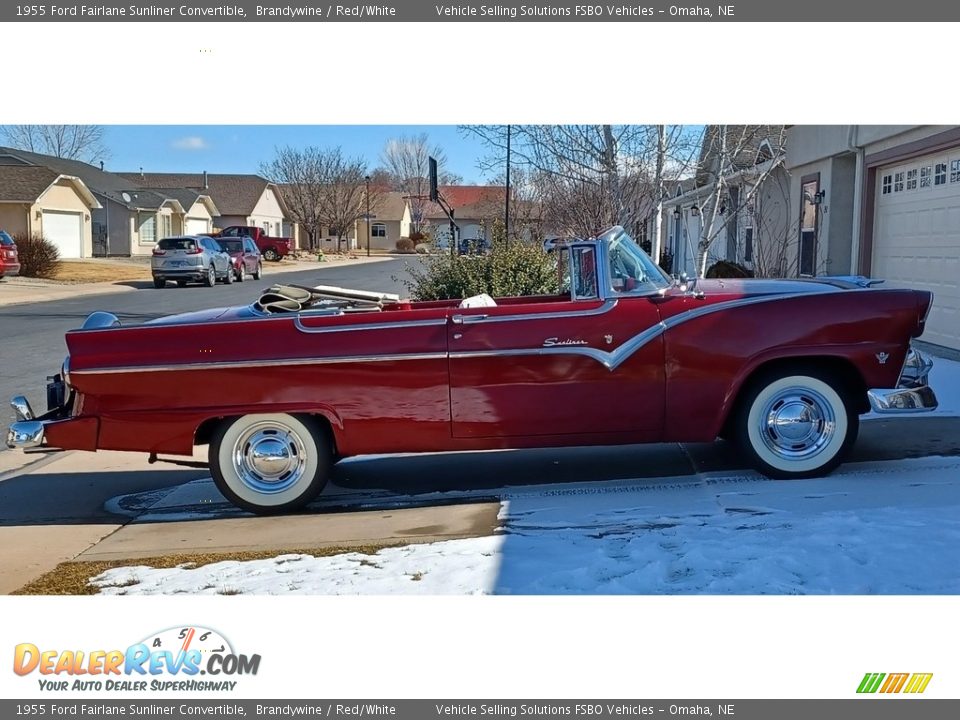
393,229
13,218
268,211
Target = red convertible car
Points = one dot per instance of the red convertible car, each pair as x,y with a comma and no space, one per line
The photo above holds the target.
623,354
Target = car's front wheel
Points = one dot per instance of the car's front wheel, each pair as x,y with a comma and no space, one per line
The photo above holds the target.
228,277
159,283
270,463
258,273
796,424
241,271
211,279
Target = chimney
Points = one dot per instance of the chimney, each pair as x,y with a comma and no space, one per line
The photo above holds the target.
205,185
101,166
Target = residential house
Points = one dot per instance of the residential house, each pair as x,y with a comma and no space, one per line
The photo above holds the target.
737,205
239,199
128,219
882,201
38,200
385,226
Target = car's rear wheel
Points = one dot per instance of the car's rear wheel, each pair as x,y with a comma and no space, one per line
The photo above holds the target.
271,463
159,283
271,254
258,273
796,424
211,279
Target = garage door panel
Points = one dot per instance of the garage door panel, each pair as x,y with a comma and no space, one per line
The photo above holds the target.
197,226
917,244
65,230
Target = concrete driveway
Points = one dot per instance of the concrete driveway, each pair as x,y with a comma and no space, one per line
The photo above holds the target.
107,506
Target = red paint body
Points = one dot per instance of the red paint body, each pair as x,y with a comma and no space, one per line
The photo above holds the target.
282,246
422,377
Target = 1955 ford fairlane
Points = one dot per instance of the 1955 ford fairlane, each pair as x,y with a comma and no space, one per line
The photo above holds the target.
622,355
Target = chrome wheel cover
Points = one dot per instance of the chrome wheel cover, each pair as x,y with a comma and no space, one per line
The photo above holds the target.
269,457
797,423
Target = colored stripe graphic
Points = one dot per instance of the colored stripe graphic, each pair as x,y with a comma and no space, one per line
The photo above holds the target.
894,683
870,682
918,683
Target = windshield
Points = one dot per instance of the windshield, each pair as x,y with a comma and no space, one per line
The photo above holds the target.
631,269
177,244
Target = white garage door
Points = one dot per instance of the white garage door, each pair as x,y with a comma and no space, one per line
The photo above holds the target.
65,231
197,226
917,236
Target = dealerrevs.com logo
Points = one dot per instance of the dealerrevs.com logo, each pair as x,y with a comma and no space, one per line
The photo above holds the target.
910,683
172,659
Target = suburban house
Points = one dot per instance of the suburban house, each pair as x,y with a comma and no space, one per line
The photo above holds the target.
736,207
385,226
239,199
882,201
128,219
38,200
475,207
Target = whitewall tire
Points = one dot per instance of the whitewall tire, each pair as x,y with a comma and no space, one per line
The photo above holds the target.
796,425
270,463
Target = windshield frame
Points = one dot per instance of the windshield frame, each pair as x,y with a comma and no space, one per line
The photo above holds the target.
616,238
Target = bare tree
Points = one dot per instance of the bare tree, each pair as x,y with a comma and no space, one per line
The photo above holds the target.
72,142
322,188
407,159
590,176
300,174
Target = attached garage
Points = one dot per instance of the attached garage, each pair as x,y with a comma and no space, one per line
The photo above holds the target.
197,226
916,240
65,230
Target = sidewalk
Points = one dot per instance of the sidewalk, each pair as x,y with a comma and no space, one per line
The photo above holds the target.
20,290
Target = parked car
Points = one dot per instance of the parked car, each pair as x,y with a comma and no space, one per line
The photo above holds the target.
619,354
272,248
190,258
244,256
9,261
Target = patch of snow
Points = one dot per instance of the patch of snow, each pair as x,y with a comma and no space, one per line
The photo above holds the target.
871,528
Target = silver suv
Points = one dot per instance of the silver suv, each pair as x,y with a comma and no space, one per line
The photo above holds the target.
189,258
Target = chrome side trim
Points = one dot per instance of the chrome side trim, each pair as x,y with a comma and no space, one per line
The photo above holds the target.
25,434
606,307
613,359
903,400
21,406
262,363
368,326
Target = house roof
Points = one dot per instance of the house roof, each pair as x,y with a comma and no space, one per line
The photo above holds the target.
107,184
233,194
743,143
390,206
28,183
467,201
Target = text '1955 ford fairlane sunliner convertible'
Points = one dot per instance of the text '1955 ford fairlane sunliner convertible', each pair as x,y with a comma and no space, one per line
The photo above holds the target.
620,354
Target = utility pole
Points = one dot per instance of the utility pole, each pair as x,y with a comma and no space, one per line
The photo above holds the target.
506,218
367,178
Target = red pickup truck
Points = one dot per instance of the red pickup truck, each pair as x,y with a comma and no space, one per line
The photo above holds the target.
272,248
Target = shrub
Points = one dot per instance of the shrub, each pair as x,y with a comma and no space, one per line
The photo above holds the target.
38,256
423,249
405,245
727,269
509,270
418,237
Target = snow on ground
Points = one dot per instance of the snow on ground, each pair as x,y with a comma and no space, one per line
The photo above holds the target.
870,528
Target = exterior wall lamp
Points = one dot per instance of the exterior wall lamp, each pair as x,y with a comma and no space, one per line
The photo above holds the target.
694,211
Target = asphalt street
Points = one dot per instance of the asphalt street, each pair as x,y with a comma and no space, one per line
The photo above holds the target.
31,335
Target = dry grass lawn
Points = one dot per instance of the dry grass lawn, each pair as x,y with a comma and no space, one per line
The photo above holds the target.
81,271
72,578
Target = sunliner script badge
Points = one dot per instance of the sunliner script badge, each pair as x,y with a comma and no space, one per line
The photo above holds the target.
551,342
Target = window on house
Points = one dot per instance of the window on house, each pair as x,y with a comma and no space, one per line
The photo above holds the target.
912,179
954,171
898,182
926,176
887,184
266,227
166,225
378,230
147,227
940,174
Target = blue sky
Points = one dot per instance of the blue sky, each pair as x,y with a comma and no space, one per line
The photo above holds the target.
241,148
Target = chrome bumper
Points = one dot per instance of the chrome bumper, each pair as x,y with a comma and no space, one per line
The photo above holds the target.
27,432
912,393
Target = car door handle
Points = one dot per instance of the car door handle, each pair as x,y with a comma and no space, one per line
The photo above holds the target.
467,319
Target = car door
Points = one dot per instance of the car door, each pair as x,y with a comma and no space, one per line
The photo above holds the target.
590,365
251,256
